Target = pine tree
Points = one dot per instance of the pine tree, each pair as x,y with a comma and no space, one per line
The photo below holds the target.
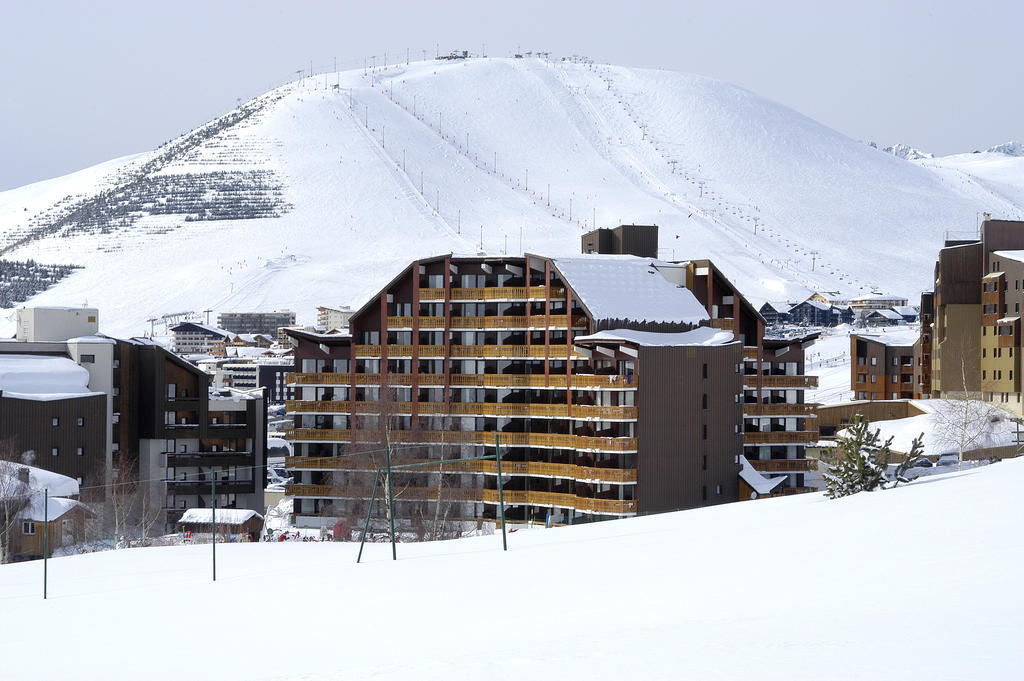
860,463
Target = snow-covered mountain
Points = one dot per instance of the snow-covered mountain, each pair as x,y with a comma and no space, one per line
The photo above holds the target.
906,152
318,191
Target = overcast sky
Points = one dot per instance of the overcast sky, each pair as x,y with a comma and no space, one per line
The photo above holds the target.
86,82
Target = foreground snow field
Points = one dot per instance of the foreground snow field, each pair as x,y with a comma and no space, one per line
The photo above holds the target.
920,582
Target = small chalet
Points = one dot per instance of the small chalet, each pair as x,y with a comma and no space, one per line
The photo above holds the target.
60,518
239,523
885,317
776,312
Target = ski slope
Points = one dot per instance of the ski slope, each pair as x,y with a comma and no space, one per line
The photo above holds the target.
918,582
369,169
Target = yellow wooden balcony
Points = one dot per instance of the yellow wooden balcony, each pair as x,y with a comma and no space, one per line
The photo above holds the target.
782,381
784,465
764,409
493,293
548,440
780,437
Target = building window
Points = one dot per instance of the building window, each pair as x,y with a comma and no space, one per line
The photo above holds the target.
81,421
704,371
874,379
28,527
704,463
78,480
55,422
116,391
79,451
87,359
718,490
704,401
703,493
54,452
704,432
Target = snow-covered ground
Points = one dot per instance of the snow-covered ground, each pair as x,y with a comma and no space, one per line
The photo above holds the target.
918,582
829,360
510,155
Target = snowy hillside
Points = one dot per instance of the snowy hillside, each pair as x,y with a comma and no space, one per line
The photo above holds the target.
318,191
917,582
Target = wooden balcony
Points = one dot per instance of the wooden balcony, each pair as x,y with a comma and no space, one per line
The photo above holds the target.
493,322
579,381
535,469
784,465
780,437
487,438
723,324
750,352
510,351
782,381
472,494
494,293
496,409
765,409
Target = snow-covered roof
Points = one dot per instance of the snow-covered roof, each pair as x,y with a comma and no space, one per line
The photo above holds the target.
888,314
906,310
897,337
39,511
817,304
40,479
211,330
779,306
42,377
874,296
1010,255
758,482
703,335
1008,320
628,287
227,516
987,426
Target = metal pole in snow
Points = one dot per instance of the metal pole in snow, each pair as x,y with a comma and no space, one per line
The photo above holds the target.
46,534
501,492
213,518
366,527
391,506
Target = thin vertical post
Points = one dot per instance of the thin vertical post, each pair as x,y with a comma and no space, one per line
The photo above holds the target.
213,519
366,527
391,506
46,534
501,493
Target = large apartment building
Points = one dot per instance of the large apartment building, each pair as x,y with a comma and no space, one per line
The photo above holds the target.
885,364
255,322
90,406
976,333
614,385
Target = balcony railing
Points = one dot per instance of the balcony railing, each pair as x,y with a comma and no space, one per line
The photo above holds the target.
780,437
784,465
472,494
579,381
534,351
766,409
723,324
578,411
536,469
493,293
782,381
492,322
750,352
545,440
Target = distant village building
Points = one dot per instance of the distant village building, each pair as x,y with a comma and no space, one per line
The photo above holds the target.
876,301
881,317
330,318
812,313
639,240
255,322
193,338
775,313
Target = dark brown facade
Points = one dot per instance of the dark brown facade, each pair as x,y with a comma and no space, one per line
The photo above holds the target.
689,427
640,240
66,436
882,371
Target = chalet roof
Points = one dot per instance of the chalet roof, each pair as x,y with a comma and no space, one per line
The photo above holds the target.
781,307
905,310
227,516
205,328
40,479
888,314
41,509
816,304
627,287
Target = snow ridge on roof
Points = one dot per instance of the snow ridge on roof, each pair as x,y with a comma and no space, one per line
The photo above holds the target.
702,335
228,516
626,287
42,377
